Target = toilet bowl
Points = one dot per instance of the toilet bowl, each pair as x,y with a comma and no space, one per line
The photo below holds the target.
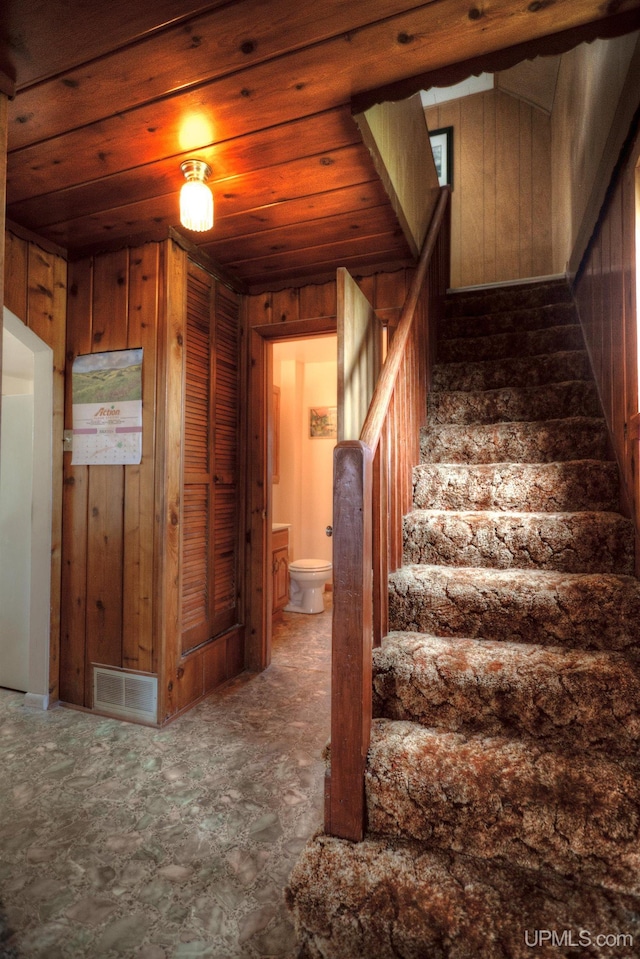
306,585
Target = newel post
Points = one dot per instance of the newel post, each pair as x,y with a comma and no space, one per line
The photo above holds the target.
352,640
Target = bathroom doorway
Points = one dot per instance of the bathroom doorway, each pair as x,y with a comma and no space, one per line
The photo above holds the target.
304,384
25,511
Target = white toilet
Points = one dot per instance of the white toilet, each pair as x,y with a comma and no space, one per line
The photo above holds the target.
306,585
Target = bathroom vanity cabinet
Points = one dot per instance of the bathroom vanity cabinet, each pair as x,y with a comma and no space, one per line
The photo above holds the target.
280,568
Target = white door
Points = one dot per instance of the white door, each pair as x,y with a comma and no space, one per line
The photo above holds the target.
25,510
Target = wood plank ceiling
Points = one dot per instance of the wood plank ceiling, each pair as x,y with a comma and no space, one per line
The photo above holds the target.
111,97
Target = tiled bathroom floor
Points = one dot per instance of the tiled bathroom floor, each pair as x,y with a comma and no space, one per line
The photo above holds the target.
117,840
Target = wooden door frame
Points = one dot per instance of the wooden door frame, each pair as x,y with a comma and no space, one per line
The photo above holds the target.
259,501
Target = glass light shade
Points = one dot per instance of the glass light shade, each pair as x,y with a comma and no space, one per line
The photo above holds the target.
196,206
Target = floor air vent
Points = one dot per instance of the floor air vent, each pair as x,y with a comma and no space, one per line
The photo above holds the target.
129,695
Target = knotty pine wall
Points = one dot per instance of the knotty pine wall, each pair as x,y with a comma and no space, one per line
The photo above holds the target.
110,526
605,292
501,199
122,524
35,290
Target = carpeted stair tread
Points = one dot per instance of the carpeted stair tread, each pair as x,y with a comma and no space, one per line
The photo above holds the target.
395,899
539,487
582,542
585,699
498,797
580,610
508,345
547,441
551,401
528,318
489,374
476,303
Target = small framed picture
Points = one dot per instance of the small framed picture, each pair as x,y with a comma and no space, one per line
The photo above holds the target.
442,147
323,422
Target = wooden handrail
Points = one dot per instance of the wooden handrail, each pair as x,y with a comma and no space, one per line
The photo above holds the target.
368,505
379,406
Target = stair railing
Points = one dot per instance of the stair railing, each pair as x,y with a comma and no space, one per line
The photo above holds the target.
371,493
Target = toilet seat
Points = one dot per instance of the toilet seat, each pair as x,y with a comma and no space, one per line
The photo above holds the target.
310,566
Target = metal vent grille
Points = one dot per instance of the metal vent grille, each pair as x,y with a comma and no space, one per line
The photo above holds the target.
124,694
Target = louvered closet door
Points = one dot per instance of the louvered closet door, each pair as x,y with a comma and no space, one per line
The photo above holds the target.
210,462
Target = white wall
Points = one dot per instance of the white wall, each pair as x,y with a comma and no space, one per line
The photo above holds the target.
25,511
307,376
16,469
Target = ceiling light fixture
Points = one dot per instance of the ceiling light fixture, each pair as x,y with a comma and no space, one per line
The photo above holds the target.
196,199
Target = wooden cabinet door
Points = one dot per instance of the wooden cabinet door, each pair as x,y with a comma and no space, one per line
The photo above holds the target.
210,481
280,569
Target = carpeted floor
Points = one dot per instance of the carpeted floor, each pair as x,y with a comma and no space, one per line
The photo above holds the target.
117,840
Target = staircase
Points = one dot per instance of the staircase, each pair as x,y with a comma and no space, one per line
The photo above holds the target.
502,783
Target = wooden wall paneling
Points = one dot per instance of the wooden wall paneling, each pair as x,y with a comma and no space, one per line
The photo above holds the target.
541,264
285,306
609,320
317,300
258,310
597,319
525,190
140,534
628,186
489,186
105,523
227,493
46,316
469,146
170,366
16,255
75,502
391,290
619,378
258,585
507,182
448,115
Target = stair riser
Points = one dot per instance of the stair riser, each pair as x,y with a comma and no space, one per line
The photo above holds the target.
550,487
558,697
516,372
535,318
562,609
567,542
555,401
512,298
368,901
550,442
506,345
499,798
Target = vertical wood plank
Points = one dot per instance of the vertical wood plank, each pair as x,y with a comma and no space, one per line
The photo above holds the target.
541,263
507,208
75,503
16,256
139,483
469,151
318,300
285,306
525,194
449,116
106,485
351,675
170,373
490,274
